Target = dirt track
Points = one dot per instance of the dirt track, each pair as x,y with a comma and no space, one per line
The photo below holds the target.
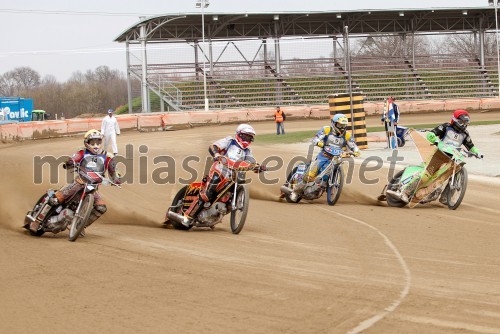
307,268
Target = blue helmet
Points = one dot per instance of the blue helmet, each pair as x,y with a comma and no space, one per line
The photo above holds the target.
339,124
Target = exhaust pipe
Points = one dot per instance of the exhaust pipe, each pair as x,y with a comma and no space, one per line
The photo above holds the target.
175,217
285,190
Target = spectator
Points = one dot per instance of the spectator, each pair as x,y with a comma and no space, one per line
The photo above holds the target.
390,118
109,130
279,118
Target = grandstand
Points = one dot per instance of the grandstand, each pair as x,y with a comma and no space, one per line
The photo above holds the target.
254,60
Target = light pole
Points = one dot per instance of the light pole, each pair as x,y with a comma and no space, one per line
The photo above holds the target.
495,3
203,4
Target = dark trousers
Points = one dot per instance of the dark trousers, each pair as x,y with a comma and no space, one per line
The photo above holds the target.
279,125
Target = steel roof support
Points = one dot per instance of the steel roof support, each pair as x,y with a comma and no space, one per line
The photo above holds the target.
145,93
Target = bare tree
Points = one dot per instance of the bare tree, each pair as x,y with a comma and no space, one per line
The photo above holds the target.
8,84
390,46
27,78
466,45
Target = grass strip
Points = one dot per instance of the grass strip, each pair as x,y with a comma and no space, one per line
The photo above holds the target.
302,136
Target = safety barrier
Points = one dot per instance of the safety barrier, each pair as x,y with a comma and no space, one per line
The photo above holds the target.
40,130
341,103
452,105
490,104
174,121
319,113
264,114
204,118
78,125
155,122
126,122
150,122
231,116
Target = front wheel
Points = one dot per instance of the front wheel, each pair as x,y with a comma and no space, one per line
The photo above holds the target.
80,219
456,192
239,213
394,183
289,183
334,187
178,204
27,222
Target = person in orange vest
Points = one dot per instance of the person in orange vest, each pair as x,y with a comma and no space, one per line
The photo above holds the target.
279,117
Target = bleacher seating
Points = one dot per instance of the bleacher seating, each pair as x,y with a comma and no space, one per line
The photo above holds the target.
310,81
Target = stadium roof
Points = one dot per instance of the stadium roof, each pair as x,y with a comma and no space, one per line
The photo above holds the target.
230,26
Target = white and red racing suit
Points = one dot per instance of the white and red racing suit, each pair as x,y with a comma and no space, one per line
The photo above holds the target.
98,163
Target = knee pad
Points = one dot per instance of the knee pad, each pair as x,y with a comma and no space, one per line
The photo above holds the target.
101,209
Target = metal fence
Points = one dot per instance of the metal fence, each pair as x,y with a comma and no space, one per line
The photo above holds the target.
246,74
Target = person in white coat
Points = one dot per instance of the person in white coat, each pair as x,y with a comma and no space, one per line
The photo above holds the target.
109,130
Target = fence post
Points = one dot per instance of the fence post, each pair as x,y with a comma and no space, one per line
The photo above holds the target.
341,103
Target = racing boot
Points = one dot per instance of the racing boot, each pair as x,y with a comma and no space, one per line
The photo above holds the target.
443,199
96,213
297,191
400,195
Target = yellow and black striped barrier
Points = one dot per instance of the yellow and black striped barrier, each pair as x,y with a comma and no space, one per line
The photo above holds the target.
341,104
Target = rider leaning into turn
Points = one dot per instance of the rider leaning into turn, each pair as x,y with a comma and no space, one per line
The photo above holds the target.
91,158
334,135
453,133
236,148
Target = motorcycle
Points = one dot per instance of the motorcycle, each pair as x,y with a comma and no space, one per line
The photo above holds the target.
315,188
443,176
232,198
72,214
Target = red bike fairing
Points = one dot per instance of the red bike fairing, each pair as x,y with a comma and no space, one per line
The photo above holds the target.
219,174
94,163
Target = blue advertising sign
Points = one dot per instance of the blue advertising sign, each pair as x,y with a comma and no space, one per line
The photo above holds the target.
15,109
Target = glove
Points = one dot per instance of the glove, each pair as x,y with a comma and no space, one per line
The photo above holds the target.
436,143
68,164
320,144
217,157
260,169
357,153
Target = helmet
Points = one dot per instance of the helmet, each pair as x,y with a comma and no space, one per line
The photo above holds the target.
244,135
339,124
93,141
460,120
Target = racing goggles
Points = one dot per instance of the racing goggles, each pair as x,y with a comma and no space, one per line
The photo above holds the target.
93,142
246,137
341,126
463,121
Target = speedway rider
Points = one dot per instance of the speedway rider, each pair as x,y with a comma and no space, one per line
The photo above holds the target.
236,148
453,133
91,158
333,136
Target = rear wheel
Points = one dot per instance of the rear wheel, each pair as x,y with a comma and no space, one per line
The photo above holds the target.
393,184
80,219
289,182
334,189
27,221
239,213
178,202
456,192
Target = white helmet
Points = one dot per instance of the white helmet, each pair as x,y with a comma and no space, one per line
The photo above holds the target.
244,135
93,141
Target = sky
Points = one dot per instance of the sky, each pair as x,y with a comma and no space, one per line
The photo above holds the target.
59,37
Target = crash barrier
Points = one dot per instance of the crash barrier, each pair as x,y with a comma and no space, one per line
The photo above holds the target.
341,103
178,120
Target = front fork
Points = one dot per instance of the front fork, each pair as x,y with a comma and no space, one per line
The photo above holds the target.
233,202
452,185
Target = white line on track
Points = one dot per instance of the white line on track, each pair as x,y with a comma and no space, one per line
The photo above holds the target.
371,321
